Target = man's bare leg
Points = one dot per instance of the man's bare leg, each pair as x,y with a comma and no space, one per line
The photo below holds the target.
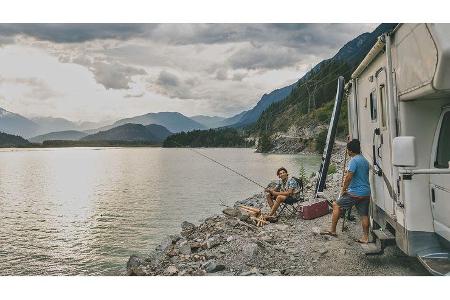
269,200
335,217
365,226
278,201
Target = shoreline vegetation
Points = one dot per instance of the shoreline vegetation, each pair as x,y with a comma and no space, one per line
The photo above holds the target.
222,137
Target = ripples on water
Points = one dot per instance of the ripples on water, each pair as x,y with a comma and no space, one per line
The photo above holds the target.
84,211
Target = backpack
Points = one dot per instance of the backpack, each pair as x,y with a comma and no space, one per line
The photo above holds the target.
300,184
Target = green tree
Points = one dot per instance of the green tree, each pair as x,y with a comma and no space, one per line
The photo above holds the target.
321,140
264,144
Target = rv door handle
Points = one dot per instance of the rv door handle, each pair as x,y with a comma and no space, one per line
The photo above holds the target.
433,197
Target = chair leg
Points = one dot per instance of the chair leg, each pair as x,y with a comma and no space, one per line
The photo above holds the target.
282,209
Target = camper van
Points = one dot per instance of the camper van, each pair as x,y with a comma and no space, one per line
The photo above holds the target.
399,109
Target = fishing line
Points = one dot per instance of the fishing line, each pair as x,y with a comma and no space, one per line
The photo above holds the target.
219,163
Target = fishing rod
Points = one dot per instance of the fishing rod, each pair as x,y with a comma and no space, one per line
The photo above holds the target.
219,163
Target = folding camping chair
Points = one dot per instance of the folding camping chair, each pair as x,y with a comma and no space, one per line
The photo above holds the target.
292,207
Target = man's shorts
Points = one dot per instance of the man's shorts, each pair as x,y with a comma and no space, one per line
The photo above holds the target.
362,205
290,200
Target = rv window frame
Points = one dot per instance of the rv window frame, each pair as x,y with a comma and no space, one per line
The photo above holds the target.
445,118
371,108
383,108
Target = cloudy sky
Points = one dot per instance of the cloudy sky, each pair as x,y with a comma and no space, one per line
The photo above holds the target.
98,72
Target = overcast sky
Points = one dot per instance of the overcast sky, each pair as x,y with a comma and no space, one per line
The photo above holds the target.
98,72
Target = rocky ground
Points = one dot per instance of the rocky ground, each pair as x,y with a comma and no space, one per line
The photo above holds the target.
230,244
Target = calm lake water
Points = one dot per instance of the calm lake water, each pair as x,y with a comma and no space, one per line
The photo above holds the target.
84,211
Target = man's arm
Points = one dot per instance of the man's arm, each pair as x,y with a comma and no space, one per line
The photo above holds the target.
347,179
288,193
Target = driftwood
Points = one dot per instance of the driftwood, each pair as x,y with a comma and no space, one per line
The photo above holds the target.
255,215
260,221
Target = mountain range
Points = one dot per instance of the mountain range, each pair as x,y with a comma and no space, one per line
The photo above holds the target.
131,132
350,54
67,135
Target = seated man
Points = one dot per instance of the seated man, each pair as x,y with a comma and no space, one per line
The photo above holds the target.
287,190
355,191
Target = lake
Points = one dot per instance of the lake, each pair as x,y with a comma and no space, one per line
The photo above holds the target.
84,211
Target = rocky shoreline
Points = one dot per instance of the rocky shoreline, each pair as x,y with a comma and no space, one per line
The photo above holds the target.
230,244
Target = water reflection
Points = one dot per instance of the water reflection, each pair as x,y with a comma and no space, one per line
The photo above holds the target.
79,211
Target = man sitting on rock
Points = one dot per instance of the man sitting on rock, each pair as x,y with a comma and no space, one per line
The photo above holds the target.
287,190
355,191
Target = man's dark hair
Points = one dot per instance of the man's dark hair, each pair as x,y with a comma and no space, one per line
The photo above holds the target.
354,146
281,169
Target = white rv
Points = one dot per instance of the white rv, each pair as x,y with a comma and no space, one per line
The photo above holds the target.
399,109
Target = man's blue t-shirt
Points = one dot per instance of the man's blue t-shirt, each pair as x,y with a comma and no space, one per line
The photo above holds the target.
359,186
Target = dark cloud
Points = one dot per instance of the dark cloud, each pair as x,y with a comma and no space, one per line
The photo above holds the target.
170,85
76,33
292,35
114,75
167,79
263,58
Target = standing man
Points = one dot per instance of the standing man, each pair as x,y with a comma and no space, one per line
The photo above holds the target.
355,191
287,190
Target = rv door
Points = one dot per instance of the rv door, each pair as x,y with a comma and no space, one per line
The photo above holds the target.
383,141
440,183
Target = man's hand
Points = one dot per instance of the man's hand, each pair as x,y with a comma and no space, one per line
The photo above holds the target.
270,191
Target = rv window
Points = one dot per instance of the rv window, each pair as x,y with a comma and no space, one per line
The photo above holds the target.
383,105
443,150
373,106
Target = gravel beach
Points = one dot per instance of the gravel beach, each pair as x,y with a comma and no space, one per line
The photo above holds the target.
230,244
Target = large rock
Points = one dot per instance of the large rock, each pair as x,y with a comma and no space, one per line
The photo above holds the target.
135,266
185,248
212,266
231,212
186,226
212,242
166,244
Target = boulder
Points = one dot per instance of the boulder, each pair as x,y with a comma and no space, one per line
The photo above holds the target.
322,251
245,218
135,266
231,212
212,242
187,227
195,246
252,271
185,248
166,244
212,266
